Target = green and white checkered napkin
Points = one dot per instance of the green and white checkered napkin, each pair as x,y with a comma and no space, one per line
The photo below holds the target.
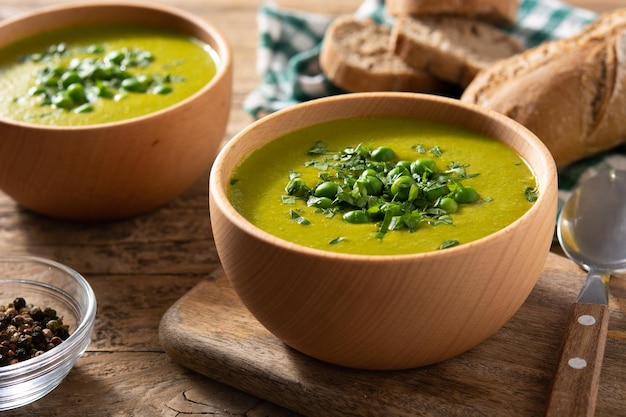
289,44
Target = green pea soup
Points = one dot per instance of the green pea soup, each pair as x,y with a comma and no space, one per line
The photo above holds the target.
188,64
502,181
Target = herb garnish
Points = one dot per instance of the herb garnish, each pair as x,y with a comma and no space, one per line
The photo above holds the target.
366,185
531,194
448,244
295,216
74,83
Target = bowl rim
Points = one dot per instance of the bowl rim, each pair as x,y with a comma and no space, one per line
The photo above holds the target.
76,338
223,53
218,195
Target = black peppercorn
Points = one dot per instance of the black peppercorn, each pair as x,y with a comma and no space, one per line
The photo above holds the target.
19,303
27,331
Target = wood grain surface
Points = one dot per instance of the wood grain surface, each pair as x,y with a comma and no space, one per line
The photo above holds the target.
211,332
141,267
580,362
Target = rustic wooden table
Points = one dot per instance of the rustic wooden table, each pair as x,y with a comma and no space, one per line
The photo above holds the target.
141,266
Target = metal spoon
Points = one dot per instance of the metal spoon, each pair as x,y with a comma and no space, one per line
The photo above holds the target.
592,231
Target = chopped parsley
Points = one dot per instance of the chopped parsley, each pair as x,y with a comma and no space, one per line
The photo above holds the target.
373,185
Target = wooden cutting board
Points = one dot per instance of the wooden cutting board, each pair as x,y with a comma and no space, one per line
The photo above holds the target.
211,332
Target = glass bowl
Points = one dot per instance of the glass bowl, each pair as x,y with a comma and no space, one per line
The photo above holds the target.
45,283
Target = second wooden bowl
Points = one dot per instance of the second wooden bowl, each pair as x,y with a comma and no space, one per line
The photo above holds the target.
119,169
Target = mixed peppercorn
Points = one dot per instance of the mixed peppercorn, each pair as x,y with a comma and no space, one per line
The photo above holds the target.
27,331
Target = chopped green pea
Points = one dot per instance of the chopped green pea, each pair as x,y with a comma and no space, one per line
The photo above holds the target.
367,172
405,164
327,189
356,217
103,91
296,186
102,72
162,89
383,154
58,70
134,84
77,92
423,166
449,205
397,172
120,73
466,194
435,192
115,57
51,81
320,202
393,209
69,78
62,101
372,184
401,187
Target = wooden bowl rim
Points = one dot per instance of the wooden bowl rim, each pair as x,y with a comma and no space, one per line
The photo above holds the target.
219,197
222,48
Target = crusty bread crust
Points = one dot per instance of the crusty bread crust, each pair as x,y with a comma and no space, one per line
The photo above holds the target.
498,12
355,56
451,48
571,92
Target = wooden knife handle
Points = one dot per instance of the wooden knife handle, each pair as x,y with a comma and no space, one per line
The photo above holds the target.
575,385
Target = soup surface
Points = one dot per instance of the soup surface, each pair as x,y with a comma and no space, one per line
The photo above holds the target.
172,67
505,185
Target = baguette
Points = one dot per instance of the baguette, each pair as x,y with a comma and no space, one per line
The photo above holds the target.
497,12
451,48
355,56
571,92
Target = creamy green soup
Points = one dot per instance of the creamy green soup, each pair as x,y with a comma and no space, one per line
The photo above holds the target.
262,189
120,71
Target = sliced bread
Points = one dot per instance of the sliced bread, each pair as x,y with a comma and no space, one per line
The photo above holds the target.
498,12
451,48
355,56
571,92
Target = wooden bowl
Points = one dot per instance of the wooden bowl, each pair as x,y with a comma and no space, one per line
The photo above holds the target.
119,169
384,312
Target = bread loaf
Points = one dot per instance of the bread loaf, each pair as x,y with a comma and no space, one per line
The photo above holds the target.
355,56
451,48
571,93
498,12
